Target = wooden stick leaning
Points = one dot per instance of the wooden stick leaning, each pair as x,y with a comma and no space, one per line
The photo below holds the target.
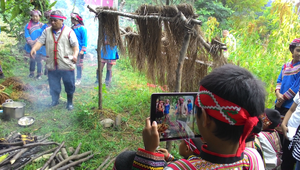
65,155
26,146
37,156
53,155
103,163
107,165
70,158
17,156
75,163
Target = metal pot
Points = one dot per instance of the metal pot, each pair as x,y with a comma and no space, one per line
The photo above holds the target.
13,109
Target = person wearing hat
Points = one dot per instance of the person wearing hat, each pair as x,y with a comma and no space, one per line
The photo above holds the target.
33,30
269,139
81,33
288,81
182,110
226,113
62,50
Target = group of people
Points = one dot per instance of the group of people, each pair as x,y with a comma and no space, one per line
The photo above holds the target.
63,50
237,131
183,110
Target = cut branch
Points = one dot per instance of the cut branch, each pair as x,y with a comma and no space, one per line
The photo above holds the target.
134,16
53,155
26,146
37,156
17,156
106,160
70,158
75,163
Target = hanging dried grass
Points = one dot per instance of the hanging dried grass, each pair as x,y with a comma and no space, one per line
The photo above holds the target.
155,48
111,30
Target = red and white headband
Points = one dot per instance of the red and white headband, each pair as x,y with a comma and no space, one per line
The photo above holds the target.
227,112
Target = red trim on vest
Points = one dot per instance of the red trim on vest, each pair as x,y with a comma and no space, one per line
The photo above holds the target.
55,47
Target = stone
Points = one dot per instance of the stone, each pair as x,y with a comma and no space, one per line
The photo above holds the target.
107,122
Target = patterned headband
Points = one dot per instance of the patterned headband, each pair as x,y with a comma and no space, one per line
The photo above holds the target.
192,146
56,16
227,112
35,12
76,17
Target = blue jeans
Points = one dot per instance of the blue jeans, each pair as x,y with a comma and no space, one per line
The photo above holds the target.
68,78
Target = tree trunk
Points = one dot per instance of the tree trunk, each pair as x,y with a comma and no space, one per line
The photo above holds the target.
183,51
167,2
99,62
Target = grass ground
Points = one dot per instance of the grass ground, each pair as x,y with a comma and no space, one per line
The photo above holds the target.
129,97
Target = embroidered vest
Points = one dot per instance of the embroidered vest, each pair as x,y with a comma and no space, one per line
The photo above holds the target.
58,52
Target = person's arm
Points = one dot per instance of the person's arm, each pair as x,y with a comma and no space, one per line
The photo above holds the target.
292,91
74,44
147,158
36,47
75,53
84,39
27,36
286,119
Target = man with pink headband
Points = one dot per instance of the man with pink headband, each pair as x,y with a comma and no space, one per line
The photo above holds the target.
228,104
62,50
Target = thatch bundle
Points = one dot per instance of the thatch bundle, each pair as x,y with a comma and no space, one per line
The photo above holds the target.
155,48
111,30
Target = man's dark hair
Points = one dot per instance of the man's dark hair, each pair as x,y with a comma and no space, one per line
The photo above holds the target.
238,86
292,48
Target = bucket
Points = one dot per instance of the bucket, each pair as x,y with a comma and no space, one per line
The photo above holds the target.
12,109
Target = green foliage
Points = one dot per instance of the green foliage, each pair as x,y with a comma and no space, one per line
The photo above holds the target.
264,53
208,8
245,5
16,13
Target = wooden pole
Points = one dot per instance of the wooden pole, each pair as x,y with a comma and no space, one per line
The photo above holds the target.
100,40
145,17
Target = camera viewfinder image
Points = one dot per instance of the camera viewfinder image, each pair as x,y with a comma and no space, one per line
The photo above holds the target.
175,117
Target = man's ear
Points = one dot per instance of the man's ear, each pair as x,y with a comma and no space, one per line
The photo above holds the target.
206,119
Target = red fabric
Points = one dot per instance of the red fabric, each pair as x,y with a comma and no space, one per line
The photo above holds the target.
152,153
227,112
192,146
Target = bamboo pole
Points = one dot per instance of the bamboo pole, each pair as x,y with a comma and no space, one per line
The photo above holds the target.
134,16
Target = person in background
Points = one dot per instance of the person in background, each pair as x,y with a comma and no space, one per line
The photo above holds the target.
48,24
230,42
295,148
109,58
270,140
62,49
167,109
291,120
81,33
288,81
33,30
190,109
181,110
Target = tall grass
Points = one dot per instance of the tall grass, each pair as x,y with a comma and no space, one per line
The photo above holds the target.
264,53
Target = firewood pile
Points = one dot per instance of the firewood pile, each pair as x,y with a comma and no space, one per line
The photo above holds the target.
16,151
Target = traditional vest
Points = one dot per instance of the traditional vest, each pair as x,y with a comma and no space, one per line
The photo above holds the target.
58,52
